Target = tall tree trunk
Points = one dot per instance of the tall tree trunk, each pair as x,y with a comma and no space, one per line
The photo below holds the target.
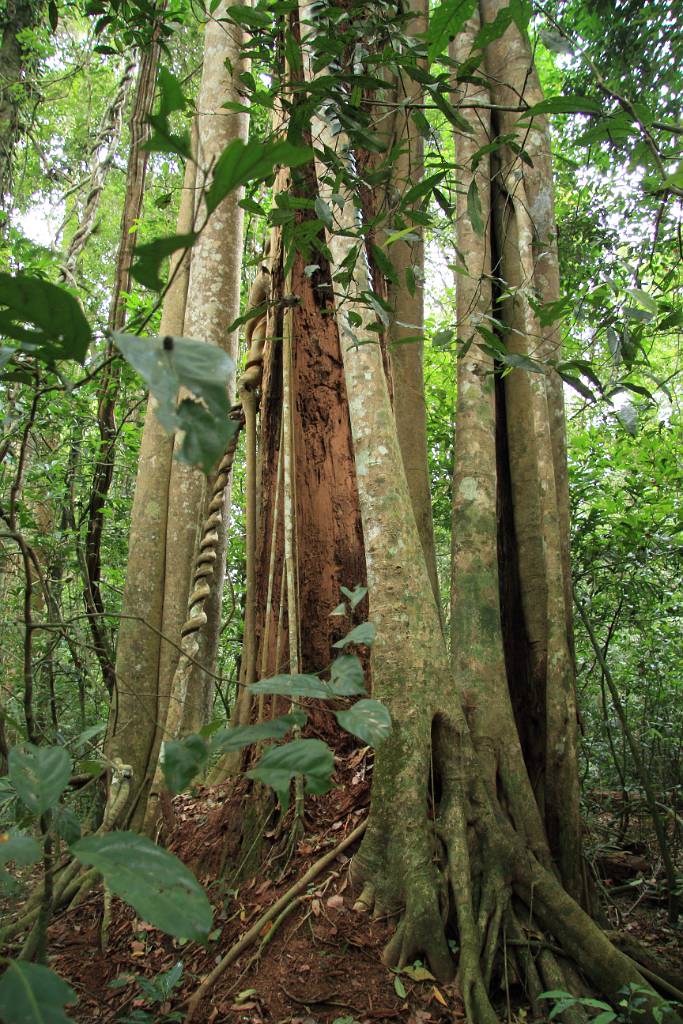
103,152
18,16
202,303
109,382
407,300
213,303
525,260
455,842
141,697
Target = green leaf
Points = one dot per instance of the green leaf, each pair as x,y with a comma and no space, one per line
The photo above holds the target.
39,775
18,847
166,364
32,994
182,760
324,213
89,734
521,13
242,162
578,385
443,338
355,596
383,263
171,99
565,105
171,96
399,987
227,740
367,719
493,30
644,299
348,677
155,883
46,320
159,988
163,140
310,758
67,823
521,362
149,257
445,21
364,633
293,686
423,188
474,211
205,435
396,236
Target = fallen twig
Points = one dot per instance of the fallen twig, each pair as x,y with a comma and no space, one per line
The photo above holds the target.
256,929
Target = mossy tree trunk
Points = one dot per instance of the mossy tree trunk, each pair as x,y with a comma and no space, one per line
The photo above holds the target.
457,844
170,498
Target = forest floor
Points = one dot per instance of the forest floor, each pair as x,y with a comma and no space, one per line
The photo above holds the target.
321,964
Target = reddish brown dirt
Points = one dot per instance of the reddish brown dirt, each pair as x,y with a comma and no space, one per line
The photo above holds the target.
322,966
323,963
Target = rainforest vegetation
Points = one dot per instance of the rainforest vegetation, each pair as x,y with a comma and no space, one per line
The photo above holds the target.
340,511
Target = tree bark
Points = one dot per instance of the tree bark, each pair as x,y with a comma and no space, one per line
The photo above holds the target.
109,381
141,697
406,347
526,260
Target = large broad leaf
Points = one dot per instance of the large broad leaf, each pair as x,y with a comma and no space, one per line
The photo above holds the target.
31,994
565,105
445,21
166,364
18,848
46,320
171,99
361,634
155,883
279,765
294,686
149,257
348,678
67,823
227,740
39,775
367,719
242,162
184,759
474,211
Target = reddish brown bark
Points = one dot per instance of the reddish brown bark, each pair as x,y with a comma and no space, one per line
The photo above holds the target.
329,538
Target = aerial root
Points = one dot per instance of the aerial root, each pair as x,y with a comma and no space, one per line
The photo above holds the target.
554,980
494,903
525,964
420,932
366,901
663,977
72,883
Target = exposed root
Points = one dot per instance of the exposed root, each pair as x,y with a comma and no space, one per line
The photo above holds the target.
272,914
420,932
662,976
494,883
